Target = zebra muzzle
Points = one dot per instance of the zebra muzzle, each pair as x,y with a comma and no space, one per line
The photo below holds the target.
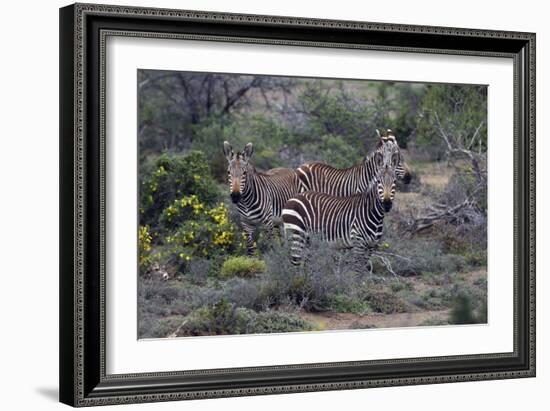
387,205
235,196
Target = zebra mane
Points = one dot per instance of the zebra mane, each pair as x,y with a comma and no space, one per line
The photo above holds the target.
368,162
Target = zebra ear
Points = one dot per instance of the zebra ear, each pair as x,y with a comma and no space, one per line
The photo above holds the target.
247,152
228,150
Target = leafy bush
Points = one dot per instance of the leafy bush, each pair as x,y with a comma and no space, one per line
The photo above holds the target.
420,256
226,318
467,311
243,292
221,318
145,253
202,232
166,298
463,312
159,328
344,303
327,279
278,322
385,302
242,267
170,177
436,298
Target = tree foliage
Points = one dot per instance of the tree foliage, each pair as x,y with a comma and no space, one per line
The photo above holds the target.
459,112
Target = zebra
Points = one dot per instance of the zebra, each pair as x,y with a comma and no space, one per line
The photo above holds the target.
259,196
355,221
323,178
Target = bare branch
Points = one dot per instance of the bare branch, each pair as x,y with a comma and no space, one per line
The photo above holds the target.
475,135
450,214
382,256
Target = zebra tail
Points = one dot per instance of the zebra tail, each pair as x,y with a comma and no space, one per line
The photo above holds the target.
295,234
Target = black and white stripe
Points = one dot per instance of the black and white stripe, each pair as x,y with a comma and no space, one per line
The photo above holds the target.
323,178
355,221
259,196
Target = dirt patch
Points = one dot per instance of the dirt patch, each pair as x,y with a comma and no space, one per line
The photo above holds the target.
346,321
435,175
438,181
471,277
410,201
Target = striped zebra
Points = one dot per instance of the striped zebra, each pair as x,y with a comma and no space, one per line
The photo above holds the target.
259,196
354,221
323,178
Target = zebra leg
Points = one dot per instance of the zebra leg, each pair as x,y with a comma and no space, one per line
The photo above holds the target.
361,256
249,233
297,245
296,239
276,231
269,229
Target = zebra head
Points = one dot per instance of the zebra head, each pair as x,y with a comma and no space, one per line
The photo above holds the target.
237,169
387,160
402,170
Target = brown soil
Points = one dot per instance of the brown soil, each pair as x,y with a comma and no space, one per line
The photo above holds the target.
345,321
472,276
411,201
436,181
435,175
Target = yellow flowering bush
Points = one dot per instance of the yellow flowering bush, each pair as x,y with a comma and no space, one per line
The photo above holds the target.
201,231
169,178
182,209
145,256
182,220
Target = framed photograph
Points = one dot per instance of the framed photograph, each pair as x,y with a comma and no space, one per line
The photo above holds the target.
262,204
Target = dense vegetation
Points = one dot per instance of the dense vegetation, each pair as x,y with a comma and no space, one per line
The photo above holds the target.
194,277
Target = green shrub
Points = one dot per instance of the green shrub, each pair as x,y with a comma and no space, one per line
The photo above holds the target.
385,302
463,311
205,233
159,299
278,322
146,256
344,303
468,311
218,319
418,255
225,318
242,267
436,299
398,286
164,327
170,177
